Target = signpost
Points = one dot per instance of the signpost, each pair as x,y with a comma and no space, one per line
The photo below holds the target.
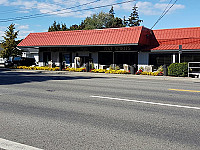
180,52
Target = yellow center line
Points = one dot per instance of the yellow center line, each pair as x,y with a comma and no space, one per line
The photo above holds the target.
184,90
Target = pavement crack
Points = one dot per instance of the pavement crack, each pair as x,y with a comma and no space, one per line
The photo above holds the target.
50,90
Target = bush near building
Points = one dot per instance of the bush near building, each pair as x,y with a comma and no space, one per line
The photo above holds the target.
159,72
178,69
112,71
36,68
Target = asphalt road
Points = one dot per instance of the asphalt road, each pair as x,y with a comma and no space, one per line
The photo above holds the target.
89,112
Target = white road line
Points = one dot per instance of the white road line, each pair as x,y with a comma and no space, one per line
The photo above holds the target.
147,102
9,145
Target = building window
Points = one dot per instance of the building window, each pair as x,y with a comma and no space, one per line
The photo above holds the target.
160,59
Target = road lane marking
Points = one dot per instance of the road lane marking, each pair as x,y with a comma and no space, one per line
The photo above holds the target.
147,102
10,145
181,90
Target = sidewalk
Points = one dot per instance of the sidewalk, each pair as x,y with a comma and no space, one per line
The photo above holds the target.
130,76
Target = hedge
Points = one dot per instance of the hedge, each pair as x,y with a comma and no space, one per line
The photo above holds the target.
178,69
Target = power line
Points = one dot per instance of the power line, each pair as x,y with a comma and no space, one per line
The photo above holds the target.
44,14
164,13
39,14
165,9
17,9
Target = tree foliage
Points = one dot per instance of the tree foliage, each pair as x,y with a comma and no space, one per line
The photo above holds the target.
9,44
133,19
100,21
74,27
57,27
96,21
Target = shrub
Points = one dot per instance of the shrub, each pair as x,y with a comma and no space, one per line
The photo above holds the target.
109,71
76,70
160,69
144,73
178,69
37,68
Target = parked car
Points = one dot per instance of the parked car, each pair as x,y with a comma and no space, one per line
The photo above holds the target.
2,62
23,61
8,63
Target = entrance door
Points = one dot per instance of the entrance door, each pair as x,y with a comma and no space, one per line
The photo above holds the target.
46,57
129,58
85,60
120,58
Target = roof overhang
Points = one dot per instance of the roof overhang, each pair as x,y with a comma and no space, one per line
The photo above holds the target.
57,46
175,51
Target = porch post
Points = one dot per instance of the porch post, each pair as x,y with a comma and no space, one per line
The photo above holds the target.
174,58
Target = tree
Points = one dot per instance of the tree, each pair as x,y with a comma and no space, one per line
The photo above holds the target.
74,27
96,21
114,22
110,18
9,44
118,22
112,12
82,25
64,27
103,20
125,22
57,27
133,19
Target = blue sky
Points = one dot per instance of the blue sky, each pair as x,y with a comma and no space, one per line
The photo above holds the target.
185,13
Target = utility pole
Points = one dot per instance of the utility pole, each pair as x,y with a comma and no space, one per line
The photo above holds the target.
180,52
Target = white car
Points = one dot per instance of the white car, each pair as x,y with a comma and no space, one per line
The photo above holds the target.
2,62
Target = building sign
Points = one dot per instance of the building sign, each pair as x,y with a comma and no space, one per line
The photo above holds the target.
84,49
118,48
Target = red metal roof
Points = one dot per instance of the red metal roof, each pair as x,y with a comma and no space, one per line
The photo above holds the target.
112,36
170,39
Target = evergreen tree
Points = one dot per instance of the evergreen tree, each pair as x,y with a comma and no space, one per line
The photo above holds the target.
125,22
74,27
111,11
9,44
118,22
133,19
110,18
57,27
82,25
64,27
114,22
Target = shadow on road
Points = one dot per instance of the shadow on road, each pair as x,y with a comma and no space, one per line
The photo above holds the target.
4,69
9,77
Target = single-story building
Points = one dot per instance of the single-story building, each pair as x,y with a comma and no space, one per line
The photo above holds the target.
116,46
168,50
